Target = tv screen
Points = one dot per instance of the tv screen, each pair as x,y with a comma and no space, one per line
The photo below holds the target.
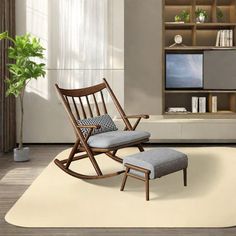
184,71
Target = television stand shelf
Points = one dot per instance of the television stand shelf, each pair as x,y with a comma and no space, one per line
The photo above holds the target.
226,102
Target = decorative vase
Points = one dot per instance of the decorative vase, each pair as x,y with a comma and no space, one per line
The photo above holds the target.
21,154
201,18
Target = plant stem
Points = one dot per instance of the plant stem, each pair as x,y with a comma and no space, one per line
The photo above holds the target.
21,119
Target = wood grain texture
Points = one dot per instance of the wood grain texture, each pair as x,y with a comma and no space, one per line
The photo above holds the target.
7,104
40,158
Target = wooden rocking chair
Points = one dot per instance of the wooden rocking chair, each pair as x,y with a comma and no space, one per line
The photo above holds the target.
73,102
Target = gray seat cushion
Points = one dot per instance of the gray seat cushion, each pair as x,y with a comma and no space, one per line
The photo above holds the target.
116,138
160,161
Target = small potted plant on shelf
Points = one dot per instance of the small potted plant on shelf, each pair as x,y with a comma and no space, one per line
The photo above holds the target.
24,55
219,14
201,15
184,17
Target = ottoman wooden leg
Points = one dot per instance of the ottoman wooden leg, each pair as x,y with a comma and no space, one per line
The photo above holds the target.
185,176
147,186
144,178
124,179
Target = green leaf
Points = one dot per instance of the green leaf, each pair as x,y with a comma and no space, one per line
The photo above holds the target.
25,53
3,35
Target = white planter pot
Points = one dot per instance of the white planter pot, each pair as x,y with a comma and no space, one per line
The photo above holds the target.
21,154
201,18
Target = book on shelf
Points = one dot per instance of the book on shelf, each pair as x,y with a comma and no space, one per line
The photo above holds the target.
224,38
214,104
202,104
218,38
194,104
231,38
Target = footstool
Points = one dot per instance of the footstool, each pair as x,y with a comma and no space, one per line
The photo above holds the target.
154,164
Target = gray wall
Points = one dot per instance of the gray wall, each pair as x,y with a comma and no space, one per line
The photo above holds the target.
143,56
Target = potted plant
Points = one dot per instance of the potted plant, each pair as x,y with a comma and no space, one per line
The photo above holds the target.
219,14
201,15
184,16
24,55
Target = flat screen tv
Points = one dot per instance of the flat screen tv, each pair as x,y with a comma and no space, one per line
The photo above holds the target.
184,71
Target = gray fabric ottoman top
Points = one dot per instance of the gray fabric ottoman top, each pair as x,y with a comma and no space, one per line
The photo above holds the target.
160,161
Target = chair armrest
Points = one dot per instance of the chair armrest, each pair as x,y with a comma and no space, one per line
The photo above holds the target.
89,126
137,116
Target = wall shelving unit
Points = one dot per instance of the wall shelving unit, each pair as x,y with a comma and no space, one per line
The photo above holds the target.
198,37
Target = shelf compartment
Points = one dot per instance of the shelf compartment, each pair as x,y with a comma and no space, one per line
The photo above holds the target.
172,11
225,2
226,100
228,14
209,10
206,37
170,34
181,100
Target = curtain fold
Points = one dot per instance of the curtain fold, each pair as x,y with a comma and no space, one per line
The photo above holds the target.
7,104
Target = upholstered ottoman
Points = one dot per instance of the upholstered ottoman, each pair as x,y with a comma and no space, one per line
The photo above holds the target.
154,164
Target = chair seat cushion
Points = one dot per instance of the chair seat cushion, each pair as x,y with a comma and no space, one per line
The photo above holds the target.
160,161
116,138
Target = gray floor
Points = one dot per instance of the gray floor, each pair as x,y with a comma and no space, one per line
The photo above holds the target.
22,175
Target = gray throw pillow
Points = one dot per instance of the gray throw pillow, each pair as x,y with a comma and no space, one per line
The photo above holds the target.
105,121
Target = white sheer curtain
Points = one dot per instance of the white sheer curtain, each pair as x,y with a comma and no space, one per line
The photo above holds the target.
81,41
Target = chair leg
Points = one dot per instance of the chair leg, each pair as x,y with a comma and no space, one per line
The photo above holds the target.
72,153
147,186
124,179
185,176
140,147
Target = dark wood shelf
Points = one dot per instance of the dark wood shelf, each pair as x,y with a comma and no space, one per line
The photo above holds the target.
178,2
173,25
198,48
199,26
197,115
198,2
200,91
215,26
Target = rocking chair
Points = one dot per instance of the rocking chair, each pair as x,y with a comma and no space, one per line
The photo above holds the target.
77,104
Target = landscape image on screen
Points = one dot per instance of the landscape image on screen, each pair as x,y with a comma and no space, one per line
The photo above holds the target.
184,71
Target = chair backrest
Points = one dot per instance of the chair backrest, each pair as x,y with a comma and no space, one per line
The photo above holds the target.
77,102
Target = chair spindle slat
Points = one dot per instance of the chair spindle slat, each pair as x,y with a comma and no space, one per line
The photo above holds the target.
76,109
103,103
96,105
82,106
90,110
68,103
